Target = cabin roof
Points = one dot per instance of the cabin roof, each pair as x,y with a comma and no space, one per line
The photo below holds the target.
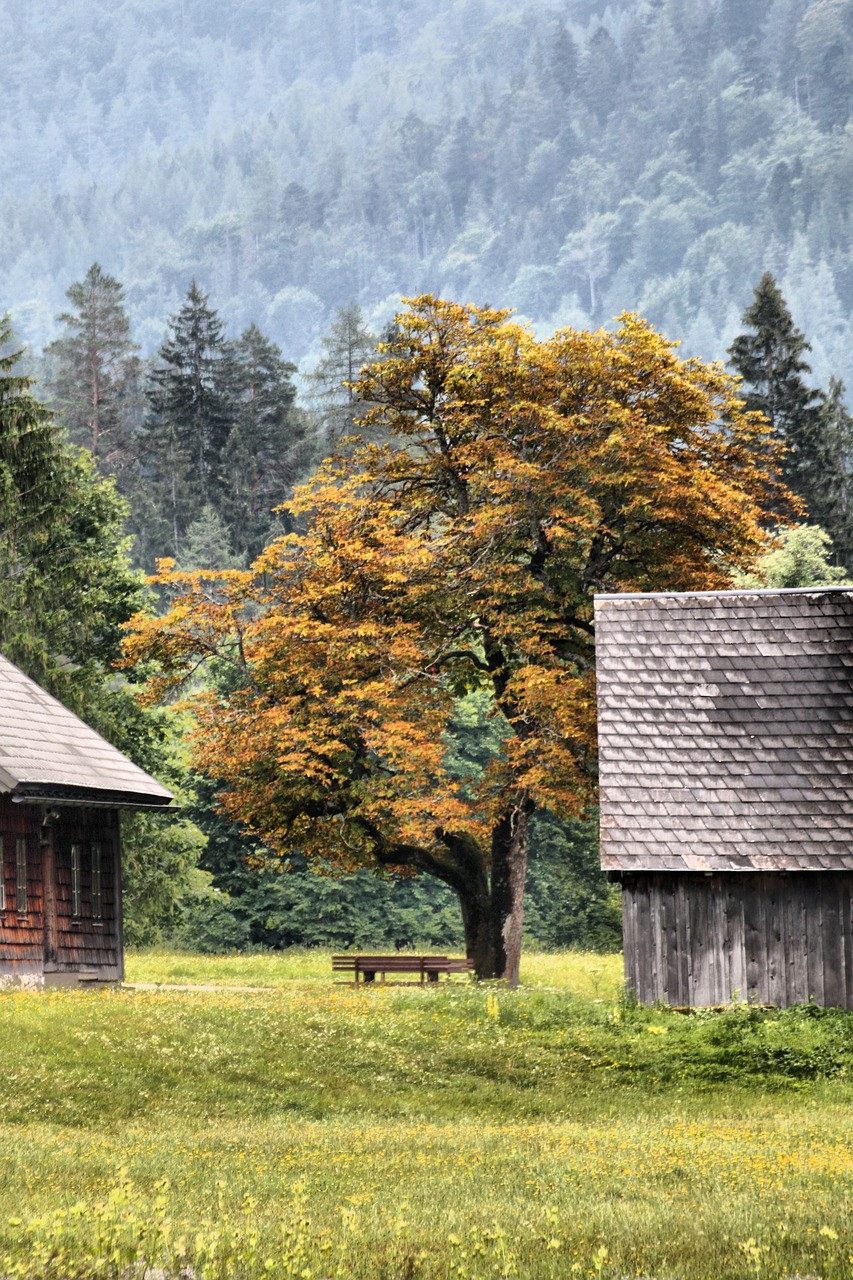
726,730
47,754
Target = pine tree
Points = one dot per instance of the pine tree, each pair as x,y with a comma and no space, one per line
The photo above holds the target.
347,348
207,544
94,382
833,504
265,450
770,361
191,416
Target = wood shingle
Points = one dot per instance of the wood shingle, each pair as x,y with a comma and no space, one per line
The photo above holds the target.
726,730
726,766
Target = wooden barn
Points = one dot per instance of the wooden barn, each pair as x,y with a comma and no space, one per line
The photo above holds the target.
726,748
61,789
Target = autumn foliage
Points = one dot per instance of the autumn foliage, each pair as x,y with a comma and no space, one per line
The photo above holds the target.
518,478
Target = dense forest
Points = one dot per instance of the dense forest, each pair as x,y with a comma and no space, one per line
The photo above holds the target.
571,160
210,214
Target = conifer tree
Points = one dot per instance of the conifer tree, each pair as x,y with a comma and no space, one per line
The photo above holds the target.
770,361
94,385
65,582
833,503
191,416
207,544
347,348
264,450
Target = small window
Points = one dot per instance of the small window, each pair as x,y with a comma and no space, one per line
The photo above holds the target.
75,880
21,876
2,876
97,884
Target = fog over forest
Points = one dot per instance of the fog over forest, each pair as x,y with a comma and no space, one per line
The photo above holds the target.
571,160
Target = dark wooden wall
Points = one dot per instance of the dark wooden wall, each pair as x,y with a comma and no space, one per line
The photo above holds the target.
48,940
21,935
778,938
84,942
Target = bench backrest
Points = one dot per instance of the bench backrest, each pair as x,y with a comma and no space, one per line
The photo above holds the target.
396,963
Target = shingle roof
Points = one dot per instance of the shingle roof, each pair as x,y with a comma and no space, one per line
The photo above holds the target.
47,751
726,730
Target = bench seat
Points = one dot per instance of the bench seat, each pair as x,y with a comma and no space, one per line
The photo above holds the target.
365,967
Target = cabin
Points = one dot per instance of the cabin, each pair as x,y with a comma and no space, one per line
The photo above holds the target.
726,768
62,787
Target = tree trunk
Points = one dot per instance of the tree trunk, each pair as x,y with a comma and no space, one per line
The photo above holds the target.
477,924
493,915
509,871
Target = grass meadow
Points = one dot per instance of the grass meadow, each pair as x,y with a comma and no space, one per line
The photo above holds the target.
310,1129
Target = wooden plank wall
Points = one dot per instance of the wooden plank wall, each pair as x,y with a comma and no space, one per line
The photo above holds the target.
21,934
83,944
768,937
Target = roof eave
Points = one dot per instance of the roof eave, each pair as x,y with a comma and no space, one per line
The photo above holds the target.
82,797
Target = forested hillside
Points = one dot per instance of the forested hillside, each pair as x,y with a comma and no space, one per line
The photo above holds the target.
569,159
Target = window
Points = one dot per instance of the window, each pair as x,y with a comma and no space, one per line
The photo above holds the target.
75,880
97,884
2,876
21,876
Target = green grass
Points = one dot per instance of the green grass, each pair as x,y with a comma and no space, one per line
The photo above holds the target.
314,1130
581,973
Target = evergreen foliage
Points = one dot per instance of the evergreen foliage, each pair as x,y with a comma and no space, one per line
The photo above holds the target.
815,427
834,506
345,349
770,361
298,157
190,417
67,585
266,446
94,372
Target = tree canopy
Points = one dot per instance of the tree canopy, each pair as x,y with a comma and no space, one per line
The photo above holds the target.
95,370
67,581
521,477
567,159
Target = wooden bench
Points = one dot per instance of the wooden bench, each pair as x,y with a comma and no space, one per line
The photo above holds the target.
427,968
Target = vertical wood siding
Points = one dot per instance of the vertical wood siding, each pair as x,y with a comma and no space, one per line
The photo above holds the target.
21,933
83,944
768,937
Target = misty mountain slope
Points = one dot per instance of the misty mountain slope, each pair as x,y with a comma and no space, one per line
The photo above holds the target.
571,160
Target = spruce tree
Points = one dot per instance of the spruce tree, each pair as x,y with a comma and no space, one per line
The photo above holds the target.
832,506
770,361
347,348
266,448
94,372
191,416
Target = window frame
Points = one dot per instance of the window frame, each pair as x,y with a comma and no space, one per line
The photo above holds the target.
21,872
76,879
96,850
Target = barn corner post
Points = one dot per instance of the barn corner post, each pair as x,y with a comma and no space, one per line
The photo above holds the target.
118,894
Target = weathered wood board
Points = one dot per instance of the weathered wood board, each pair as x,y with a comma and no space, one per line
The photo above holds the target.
48,938
769,937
